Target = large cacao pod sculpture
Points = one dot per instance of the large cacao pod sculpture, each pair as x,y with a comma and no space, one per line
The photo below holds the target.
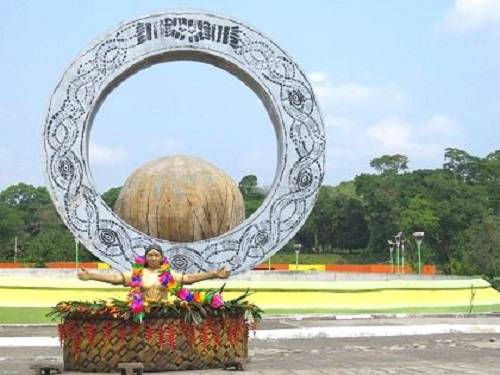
181,199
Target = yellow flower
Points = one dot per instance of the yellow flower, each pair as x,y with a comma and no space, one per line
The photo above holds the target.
136,272
164,267
199,297
171,284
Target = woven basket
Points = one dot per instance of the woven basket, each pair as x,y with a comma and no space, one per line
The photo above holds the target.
160,344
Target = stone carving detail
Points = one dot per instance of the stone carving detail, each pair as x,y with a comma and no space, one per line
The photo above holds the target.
286,93
188,29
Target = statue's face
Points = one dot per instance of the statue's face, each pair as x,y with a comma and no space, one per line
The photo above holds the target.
153,259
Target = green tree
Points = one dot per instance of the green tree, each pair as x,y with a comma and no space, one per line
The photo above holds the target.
457,205
111,195
380,197
480,248
349,229
248,185
11,221
53,244
419,216
252,194
28,213
462,165
390,164
11,224
24,196
27,200
490,177
336,221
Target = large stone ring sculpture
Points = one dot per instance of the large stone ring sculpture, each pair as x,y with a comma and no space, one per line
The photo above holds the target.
222,42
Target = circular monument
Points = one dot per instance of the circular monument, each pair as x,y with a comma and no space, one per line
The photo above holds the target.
185,35
182,199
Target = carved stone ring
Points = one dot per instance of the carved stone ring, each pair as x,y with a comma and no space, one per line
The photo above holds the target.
172,36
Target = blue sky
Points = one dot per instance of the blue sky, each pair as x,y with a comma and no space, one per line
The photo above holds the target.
410,77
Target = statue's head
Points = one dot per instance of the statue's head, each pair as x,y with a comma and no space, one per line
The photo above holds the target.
154,256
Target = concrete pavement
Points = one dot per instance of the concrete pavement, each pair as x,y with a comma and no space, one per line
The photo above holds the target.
435,354
452,353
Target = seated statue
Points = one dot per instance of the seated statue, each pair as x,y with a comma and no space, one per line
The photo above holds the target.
151,284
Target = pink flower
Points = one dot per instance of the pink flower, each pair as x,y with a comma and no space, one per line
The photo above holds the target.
217,301
137,307
183,293
140,260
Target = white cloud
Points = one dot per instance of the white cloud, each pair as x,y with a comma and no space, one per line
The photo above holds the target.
421,140
347,95
11,172
317,77
339,122
100,154
440,125
354,137
391,133
470,15
351,147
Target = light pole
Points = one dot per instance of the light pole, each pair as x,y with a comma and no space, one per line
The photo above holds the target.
419,236
402,254
397,240
15,249
76,255
391,250
297,248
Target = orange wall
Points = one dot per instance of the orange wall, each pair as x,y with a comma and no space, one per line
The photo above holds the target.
70,265
427,269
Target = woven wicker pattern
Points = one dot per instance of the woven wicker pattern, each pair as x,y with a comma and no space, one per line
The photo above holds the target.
161,344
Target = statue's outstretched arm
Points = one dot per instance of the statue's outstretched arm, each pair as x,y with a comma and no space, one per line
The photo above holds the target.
111,278
192,278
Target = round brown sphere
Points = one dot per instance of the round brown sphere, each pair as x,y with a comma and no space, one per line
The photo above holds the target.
182,199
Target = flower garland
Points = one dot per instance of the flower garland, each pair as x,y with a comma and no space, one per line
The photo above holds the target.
136,295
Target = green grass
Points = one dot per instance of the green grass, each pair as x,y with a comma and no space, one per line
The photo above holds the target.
24,315
33,315
409,310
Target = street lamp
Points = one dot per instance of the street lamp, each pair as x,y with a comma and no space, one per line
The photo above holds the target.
15,249
391,249
297,248
402,254
76,255
419,236
397,240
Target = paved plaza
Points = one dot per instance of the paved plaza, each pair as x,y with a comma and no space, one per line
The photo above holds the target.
422,354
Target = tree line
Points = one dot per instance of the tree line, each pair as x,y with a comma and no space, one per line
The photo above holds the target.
456,206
